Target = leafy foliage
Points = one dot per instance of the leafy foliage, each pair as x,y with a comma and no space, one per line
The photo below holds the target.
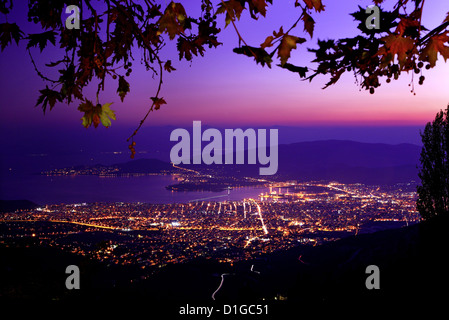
111,30
49,97
433,193
398,46
8,33
435,45
94,114
41,39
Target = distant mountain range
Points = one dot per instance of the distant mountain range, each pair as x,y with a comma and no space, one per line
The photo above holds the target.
146,166
13,205
349,162
339,160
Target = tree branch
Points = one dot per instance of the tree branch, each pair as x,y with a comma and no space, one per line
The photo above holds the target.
151,51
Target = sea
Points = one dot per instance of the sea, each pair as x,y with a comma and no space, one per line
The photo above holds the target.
44,190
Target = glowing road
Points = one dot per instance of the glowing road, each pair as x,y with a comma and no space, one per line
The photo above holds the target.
221,283
260,217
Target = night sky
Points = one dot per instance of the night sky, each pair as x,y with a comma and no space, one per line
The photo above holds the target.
224,89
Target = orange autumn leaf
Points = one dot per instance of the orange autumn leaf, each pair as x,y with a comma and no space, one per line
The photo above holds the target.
309,23
436,44
397,45
314,4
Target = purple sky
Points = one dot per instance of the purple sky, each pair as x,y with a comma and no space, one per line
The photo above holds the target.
226,89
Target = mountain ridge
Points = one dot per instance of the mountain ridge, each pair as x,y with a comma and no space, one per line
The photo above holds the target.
345,161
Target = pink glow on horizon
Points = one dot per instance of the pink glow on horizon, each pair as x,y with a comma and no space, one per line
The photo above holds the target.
224,87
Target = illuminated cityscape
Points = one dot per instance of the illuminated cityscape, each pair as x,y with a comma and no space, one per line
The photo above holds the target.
155,235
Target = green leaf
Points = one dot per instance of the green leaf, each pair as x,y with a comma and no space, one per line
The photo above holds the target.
108,111
105,114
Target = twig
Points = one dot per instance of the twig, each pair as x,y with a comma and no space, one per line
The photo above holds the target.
37,70
237,31
151,51
152,105
293,26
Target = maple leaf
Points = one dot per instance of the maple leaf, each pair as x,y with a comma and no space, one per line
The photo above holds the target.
158,102
187,47
233,10
288,43
96,114
88,108
173,20
8,32
309,23
314,4
41,39
105,114
404,24
48,96
435,45
397,45
260,6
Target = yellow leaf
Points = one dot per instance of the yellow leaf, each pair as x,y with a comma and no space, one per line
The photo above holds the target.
105,114
87,120
288,43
